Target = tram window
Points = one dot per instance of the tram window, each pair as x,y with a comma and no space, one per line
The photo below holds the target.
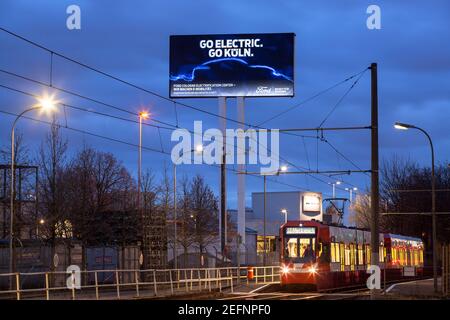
381,254
342,253
291,248
402,256
335,252
421,256
300,248
360,254
368,255
304,244
394,255
347,255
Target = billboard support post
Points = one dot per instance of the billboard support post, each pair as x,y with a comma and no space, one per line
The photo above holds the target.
223,184
241,179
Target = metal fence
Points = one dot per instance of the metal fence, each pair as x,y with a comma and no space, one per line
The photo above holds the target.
129,284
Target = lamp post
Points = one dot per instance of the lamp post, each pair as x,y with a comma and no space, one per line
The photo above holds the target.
280,169
40,222
198,149
334,187
285,212
143,115
404,126
350,190
46,104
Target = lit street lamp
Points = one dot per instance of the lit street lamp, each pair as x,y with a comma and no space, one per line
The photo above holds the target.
143,115
404,126
46,104
285,212
350,190
334,187
198,149
282,168
41,222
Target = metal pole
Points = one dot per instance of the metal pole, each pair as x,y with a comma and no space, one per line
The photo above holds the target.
139,166
241,152
264,223
433,211
11,219
175,258
375,192
223,200
12,195
334,190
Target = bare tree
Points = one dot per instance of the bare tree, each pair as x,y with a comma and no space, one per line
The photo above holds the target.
52,162
186,237
360,214
204,213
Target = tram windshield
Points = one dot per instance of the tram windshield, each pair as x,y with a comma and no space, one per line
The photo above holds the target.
300,249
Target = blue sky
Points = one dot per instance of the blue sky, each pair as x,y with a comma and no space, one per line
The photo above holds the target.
130,40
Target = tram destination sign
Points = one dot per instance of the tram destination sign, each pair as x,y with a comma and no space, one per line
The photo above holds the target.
300,230
232,65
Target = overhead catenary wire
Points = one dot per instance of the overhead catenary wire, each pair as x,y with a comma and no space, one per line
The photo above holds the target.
342,98
119,118
312,97
137,146
52,52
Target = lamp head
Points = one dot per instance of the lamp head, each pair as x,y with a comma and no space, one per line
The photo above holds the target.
144,115
402,126
284,211
338,182
283,168
199,148
47,103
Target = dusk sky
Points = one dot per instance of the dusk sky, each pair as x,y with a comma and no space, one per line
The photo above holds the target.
130,40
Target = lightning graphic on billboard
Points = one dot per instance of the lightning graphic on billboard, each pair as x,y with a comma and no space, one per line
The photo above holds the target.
204,66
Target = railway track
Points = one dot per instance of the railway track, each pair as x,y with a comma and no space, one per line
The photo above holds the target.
342,295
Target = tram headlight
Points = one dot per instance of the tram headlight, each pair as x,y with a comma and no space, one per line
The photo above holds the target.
312,269
285,269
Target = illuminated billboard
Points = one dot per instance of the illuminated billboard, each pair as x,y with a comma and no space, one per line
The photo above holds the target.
311,207
232,65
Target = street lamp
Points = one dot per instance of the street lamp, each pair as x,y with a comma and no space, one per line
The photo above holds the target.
334,187
285,212
198,149
143,115
282,168
47,104
40,222
350,190
405,126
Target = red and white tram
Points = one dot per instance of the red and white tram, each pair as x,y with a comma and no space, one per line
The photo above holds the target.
328,257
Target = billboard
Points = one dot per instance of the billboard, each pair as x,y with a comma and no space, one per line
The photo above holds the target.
311,207
232,65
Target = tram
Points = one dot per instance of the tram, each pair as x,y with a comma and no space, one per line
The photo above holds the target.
328,257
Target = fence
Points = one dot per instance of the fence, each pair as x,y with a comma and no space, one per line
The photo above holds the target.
117,284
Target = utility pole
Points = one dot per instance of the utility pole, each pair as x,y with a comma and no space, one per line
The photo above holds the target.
375,191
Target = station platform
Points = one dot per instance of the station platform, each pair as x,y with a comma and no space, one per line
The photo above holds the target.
419,289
